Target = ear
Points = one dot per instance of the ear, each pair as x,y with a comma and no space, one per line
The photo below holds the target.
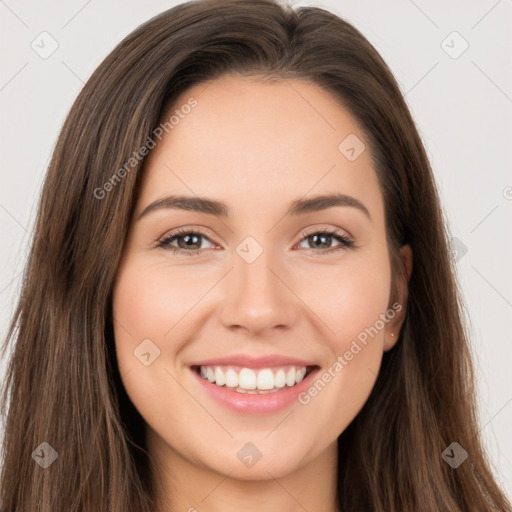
392,331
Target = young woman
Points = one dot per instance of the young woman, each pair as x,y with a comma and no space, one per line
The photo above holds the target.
239,292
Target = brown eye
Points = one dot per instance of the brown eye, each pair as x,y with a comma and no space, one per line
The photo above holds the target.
188,242
322,240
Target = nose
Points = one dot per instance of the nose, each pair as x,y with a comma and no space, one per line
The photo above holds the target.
257,297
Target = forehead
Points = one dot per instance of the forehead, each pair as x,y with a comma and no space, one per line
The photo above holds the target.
249,141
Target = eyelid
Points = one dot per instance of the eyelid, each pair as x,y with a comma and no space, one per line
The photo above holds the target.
347,240
331,229
185,230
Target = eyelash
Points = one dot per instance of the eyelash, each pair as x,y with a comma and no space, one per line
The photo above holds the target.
346,242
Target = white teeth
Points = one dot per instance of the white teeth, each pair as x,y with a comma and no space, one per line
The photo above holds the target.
265,379
247,380
290,377
220,379
299,376
231,378
280,379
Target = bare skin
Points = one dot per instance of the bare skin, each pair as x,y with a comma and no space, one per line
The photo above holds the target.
256,146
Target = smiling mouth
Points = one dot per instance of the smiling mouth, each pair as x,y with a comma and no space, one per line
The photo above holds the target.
254,381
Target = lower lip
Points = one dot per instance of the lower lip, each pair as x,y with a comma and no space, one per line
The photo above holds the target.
245,403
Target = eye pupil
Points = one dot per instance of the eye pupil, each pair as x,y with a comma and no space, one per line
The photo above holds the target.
189,238
315,238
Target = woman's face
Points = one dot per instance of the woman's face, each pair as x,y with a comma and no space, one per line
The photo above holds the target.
252,293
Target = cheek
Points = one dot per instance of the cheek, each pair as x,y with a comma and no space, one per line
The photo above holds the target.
155,311
142,310
346,302
147,304
353,306
150,300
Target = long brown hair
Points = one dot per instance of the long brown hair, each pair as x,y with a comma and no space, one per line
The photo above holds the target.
62,385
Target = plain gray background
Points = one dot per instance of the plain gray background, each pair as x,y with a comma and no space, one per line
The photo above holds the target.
461,99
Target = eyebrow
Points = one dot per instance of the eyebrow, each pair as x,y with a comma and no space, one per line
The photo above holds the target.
220,209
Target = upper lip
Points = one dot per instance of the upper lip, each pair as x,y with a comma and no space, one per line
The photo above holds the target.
248,361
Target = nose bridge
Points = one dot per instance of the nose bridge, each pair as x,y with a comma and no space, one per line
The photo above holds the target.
256,297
